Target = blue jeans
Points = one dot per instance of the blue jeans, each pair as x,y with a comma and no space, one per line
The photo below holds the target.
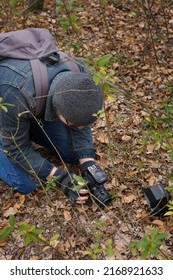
60,136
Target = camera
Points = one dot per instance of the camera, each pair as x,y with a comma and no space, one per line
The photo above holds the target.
96,178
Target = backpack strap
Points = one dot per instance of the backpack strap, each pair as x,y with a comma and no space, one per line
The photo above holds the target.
40,77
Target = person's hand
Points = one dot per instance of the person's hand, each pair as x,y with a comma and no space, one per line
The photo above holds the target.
66,183
83,196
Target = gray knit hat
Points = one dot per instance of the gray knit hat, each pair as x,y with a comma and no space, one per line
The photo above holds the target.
77,97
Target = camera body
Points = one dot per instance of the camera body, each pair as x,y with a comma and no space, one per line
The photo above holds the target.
157,198
96,178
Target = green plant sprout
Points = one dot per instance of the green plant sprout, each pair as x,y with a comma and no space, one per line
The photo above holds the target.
3,106
149,244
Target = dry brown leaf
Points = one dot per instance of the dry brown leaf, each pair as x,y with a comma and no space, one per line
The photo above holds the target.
120,246
171,228
61,248
103,161
124,228
82,220
158,223
150,148
34,258
102,138
126,138
17,205
141,214
72,240
111,117
3,243
151,179
129,198
10,211
3,223
7,204
67,216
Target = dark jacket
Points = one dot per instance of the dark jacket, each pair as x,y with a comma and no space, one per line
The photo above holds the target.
17,89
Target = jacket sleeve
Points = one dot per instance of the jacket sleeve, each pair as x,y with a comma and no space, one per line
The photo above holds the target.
15,126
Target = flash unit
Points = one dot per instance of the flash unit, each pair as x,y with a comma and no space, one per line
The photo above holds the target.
157,198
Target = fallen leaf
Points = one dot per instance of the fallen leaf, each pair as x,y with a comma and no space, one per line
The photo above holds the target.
82,220
4,223
67,216
7,204
72,240
120,246
151,179
158,223
10,211
141,214
111,117
129,198
126,138
150,148
171,228
34,258
102,138
3,243
124,228
61,248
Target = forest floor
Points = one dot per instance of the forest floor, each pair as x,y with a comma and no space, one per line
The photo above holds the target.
134,157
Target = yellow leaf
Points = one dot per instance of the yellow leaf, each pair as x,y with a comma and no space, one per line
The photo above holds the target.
46,248
55,237
111,98
85,46
40,236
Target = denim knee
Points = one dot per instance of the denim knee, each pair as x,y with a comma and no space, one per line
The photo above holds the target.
24,185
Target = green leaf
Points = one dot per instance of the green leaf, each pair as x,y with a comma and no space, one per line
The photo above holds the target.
41,237
12,220
77,188
144,254
24,227
5,232
55,237
78,9
3,108
96,79
37,230
106,87
79,178
109,248
79,182
33,237
98,251
13,2
27,239
58,9
87,252
104,60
